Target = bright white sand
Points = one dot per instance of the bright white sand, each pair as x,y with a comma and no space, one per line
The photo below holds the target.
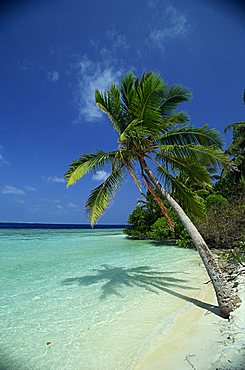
202,340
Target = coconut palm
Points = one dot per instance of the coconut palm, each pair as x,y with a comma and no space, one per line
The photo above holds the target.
143,112
237,147
236,150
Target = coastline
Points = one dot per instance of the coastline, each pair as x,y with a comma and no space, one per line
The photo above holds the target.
194,336
202,340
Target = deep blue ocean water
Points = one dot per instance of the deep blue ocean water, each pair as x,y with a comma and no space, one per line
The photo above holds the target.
88,298
30,225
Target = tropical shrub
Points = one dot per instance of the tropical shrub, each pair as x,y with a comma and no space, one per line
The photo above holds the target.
160,230
224,226
215,200
147,223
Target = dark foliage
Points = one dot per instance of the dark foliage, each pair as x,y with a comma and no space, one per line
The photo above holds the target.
147,223
225,222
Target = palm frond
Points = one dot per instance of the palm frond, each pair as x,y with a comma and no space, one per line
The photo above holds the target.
146,99
185,135
130,130
176,186
88,162
203,155
232,126
179,118
147,90
188,199
171,97
137,129
180,166
100,197
127,89
110,103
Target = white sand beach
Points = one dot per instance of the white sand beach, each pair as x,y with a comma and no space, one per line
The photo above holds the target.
201,339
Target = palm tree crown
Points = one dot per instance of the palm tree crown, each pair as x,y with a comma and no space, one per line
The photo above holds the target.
143,112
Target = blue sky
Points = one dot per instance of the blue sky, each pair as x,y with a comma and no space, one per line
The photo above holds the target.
54,54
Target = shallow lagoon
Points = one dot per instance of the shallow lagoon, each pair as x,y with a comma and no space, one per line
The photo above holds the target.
101,299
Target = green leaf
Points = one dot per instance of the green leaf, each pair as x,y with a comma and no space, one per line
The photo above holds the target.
171,97
188,199
185,135
88,162
109,102
234,125
101,196
199,153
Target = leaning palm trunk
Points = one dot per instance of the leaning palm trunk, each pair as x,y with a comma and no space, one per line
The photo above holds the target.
226,297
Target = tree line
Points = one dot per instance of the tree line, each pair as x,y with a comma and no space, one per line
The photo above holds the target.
223,224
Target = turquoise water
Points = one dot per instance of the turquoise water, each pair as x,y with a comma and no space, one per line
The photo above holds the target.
101,300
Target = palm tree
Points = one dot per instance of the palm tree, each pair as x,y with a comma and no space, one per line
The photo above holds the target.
234,174
143,112
237,151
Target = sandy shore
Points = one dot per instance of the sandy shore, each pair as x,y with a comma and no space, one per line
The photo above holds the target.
200,339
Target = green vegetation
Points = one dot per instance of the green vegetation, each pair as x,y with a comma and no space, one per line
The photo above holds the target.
148,223
223,226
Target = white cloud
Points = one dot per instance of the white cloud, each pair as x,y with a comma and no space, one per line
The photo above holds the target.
53,206
92,76
53,76
99,74
30,188
45,72
63,205
2,159
168,25
9,189
55,179
118,41
59,206
20,201
71,205
100,175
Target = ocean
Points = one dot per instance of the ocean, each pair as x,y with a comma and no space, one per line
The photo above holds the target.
88,298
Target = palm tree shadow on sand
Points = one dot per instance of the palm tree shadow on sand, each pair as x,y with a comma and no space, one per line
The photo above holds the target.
115,278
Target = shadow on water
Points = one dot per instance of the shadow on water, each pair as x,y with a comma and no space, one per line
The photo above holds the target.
114,278
163,243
